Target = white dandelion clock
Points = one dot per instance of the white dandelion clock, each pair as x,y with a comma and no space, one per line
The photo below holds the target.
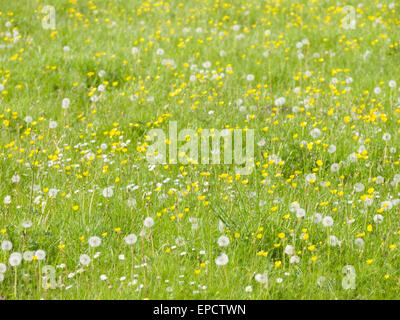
148,222
15,178
327,221
28,255
65,103
378,218
261,278
15,259
53,124
7,200
84,259
359,187
359,242
280,101
108,192
223,241
315,133
300,213
3,268
6,245
294,259
131,239
94,241
222,260
40,254
289,250
332,148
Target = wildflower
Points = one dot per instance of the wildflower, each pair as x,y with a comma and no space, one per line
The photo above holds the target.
40,254
131,239
15,259
148,222
222,260
223,241
84,259
6,245
94,241
327,221
65,103
108,192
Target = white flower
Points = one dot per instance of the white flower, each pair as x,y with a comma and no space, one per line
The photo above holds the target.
66,49
317,218
28,119
294,206
392,84
289,250
300,213
386,137
332,148
280,101
94,241
6,245
359,242
121,257
103,277
207,64
250,77
261,278
3,268
53,192
7,200
84,259
15,178
131,239
65,103
15,259
53,124
148,222
223,241
377,90
160,52
378,218
40,254
379,180
222,260
248,289
315,133
294,259
28,255
359,187
134,50
108,192
333,241
311,177
335,167
387,205
327,221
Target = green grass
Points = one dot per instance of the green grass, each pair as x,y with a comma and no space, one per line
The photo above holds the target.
173,260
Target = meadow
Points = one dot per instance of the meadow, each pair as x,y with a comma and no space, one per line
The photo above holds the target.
85,215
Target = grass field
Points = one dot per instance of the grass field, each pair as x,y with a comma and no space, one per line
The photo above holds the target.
84,212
